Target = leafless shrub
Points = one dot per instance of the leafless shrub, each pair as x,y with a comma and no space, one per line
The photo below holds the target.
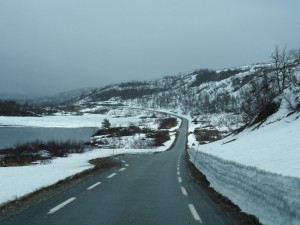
45,161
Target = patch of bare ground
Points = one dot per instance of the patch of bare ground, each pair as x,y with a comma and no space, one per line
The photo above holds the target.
233,211
16,206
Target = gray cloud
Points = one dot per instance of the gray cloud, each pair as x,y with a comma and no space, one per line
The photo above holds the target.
52,46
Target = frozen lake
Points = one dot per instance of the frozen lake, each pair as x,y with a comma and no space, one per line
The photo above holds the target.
9,136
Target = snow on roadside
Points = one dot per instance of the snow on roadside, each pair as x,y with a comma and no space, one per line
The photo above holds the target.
258,169
273,147
274,199
18,181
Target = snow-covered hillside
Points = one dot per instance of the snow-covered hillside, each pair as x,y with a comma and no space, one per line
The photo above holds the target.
197,92
259,168
230,92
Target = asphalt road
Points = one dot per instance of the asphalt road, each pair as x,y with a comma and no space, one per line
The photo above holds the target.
148,189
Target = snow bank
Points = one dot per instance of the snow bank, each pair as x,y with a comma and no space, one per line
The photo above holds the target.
274,147
273,198
258,169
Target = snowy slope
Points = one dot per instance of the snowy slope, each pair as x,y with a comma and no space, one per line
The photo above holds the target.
274,147
258,169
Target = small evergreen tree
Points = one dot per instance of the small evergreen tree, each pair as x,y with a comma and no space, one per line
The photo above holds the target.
106,124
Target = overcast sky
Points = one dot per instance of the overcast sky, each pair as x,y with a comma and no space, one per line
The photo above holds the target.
49,46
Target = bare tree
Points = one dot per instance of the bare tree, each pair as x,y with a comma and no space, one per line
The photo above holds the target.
295,54
282,64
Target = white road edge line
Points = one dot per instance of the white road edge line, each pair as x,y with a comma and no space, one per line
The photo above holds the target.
95,185
179,180
184,192
112,175
122,169
56,208
194,213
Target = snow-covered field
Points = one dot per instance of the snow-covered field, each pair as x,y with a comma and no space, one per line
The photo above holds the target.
258,169
68,121
18,181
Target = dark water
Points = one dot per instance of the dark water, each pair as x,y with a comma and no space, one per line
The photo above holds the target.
9,136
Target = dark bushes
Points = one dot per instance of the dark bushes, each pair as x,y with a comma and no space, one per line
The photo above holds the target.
203,76
122,131
159,138
24,154
167,123
204,135
267,111
125,94
12,108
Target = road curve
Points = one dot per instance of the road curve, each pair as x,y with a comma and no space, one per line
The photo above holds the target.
147,189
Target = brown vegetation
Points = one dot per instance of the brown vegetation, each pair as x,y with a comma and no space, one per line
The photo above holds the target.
204,136
167,123
159,138
122,131
24,154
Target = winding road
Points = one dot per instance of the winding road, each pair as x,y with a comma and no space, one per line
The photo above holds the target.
147,189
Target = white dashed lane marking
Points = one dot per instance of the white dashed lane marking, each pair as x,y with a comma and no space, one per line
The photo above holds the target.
112,175
194,213
184,192
127,165
93,186
178,173
122,169
179,180
56,208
